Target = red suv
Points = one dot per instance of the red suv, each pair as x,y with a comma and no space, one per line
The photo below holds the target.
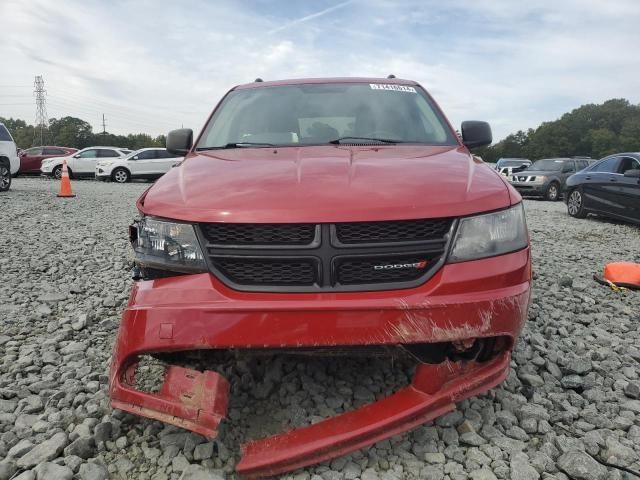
31,158
325,215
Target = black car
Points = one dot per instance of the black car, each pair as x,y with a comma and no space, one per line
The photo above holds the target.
609,187
546,178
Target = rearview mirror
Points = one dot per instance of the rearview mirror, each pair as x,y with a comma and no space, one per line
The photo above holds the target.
77,155
633,173
180,141
476,134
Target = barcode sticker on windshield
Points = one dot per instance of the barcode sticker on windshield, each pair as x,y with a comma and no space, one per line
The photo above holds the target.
395,88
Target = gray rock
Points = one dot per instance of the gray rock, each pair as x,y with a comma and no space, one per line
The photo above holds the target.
20,448
196,472
47,450
581,466
472,438
7,469
632,390
482,474
52,471
202,451
28,475
83,447
93,471
521,469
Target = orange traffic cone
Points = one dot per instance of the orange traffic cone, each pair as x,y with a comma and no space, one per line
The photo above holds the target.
65,183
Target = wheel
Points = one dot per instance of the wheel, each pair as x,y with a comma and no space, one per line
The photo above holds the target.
57,172
553,191
5,178
575,204
120,175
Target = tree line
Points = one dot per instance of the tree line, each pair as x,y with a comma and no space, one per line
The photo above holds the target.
593,130
76,133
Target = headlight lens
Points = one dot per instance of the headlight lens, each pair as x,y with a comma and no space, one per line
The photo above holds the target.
490,234
167,245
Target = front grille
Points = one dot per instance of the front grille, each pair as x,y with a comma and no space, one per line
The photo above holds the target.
396,231
268,272
382,269
326,257
259,233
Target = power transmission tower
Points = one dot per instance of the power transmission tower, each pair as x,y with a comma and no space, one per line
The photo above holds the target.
42,121
104,128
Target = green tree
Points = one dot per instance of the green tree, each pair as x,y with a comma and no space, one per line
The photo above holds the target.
70,132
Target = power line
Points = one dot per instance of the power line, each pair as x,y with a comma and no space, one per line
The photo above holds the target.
42,122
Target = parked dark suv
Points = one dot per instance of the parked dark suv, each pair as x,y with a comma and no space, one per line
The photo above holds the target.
546,178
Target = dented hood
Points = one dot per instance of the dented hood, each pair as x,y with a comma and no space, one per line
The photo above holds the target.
326,184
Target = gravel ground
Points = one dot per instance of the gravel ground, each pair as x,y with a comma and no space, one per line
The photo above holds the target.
570,405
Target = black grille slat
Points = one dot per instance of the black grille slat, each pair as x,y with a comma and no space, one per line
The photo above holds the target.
325,257
355,271
267,272
259,233
393,231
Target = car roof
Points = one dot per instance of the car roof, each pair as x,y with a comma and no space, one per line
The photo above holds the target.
306,81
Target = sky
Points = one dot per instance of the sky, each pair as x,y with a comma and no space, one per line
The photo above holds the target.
154,65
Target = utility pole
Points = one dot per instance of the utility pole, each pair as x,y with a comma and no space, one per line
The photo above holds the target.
104,128
42,122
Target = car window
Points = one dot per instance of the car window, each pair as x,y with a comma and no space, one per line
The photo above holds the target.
569,167
107,153
582,164
320,113
93,153
33,151
146,155
53,151
5,136
607,165
164,154
628,163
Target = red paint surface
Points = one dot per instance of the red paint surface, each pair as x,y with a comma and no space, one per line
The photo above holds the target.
332,183
434,390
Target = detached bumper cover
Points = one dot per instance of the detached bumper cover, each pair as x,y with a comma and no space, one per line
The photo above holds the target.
465,301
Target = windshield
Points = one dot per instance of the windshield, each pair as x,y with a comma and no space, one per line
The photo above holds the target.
513,163
547,165
313,114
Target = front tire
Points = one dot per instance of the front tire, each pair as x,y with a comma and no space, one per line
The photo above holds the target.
120,175
553,192
57,172
5,178
575,204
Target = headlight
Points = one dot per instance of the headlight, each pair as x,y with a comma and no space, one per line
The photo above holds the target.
166,245
490,234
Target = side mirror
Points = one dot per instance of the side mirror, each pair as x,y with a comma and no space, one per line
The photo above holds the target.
135,158
476,134
180,141
633,173
77,155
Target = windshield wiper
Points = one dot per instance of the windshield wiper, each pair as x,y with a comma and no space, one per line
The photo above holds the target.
340,140
238,145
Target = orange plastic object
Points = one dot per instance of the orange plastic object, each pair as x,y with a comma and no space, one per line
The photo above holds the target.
65,182
623,274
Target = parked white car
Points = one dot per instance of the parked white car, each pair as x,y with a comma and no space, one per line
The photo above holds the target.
148,163
9,160
81,163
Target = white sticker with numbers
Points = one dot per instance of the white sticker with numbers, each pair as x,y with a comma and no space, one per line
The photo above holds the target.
395,88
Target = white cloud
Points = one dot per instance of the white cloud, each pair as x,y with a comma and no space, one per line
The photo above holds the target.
153,66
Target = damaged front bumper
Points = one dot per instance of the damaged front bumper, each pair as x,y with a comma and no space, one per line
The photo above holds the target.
481,302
